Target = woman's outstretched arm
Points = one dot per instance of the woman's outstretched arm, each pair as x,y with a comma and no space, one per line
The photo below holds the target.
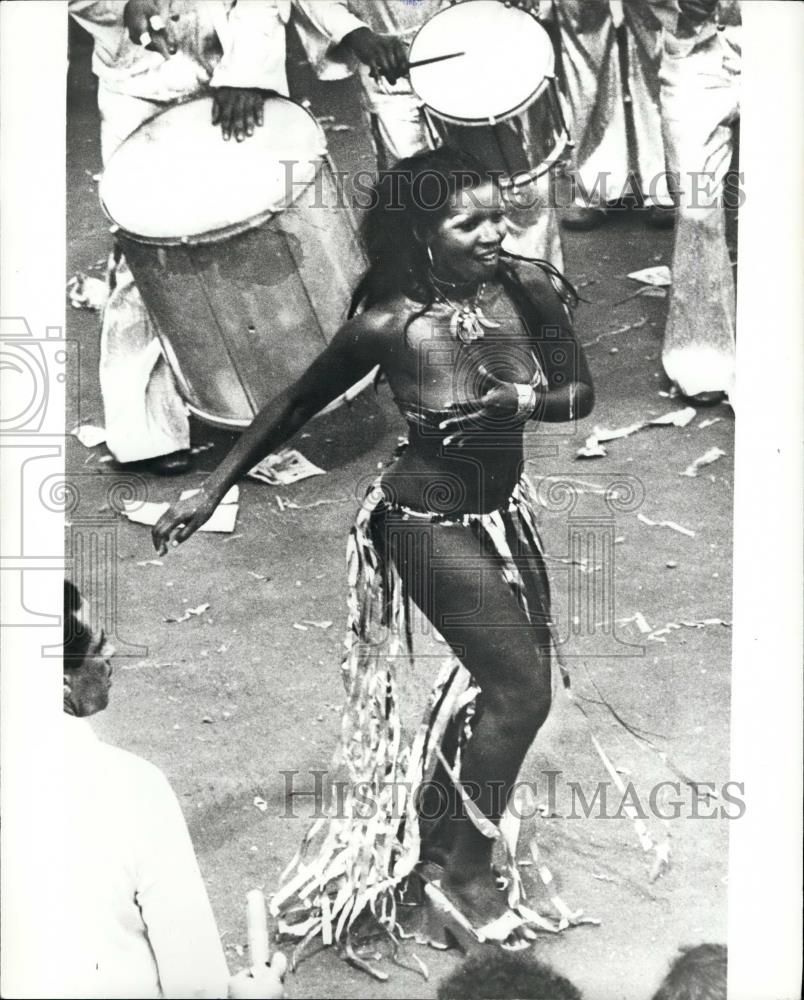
347,358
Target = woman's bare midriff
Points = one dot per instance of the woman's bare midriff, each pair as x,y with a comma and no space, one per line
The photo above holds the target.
458,481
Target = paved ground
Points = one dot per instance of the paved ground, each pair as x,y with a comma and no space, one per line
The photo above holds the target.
226,701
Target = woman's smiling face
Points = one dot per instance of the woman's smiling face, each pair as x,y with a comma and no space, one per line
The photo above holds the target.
465,245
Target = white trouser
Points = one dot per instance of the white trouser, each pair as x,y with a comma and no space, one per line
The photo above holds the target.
398,129
594,90
144,414
700,101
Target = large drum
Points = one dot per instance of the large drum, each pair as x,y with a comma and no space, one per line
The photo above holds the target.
243,254
498,100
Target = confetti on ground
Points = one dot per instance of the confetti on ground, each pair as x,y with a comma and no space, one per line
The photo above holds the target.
292,505
188,614
90,435
658,635
666,524
659,276
145,512
676,418
593,446
620,329
706,459
284,468
86,292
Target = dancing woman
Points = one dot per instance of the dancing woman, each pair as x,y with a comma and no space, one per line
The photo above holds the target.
474,344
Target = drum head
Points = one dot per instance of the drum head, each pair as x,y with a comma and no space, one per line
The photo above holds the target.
175,179
507,57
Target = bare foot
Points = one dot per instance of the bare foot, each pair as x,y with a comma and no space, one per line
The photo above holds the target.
478,898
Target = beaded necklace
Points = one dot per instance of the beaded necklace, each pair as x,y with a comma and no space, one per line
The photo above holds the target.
468,321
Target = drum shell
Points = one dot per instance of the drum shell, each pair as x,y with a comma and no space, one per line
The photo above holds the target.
241,317
518,149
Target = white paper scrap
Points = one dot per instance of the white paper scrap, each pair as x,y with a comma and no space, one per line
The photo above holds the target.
284,468
676,418
89,435
145,512
706,459
659,276
666,524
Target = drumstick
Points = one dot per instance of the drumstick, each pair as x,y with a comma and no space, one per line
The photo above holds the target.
257,931
434,59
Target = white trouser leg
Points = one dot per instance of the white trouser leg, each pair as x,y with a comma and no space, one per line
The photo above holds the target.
699,101
145,416
594,90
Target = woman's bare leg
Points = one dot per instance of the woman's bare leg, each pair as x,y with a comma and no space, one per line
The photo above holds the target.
455,579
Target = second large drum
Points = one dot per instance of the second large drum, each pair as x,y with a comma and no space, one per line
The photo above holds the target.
244,253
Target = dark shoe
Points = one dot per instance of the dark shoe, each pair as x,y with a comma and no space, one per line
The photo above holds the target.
173,464
578,217
706,398
661,216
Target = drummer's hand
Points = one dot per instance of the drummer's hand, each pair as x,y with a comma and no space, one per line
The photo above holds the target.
267,983
238,110
384,54
184,517
146,21
499,405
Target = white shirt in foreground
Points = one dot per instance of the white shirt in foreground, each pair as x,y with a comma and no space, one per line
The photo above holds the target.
137,919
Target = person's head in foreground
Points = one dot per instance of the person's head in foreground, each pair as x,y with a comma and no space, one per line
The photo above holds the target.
698,973
492,974
87,674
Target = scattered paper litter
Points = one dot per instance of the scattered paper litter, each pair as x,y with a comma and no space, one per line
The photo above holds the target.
666,524
317,624
145,512
620,329
678,418
593,446
231,496
260,803
301,628
189,613
709,421
659,276
706,459
284,468
198,448
658,634
89,435
422,966
86,292
151,562
641,623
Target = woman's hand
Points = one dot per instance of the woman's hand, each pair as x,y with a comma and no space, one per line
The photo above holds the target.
502,405
184,518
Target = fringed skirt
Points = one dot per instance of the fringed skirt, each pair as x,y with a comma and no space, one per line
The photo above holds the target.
352,863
